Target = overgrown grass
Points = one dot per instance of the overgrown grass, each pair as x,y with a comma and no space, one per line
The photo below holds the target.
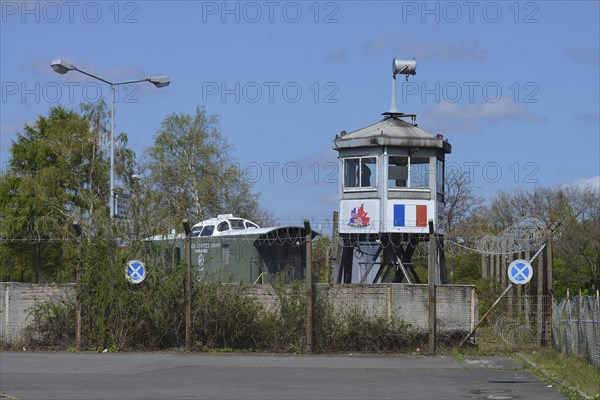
118,316
54,323
571,370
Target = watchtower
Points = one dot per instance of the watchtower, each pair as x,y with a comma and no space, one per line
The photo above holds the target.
391,191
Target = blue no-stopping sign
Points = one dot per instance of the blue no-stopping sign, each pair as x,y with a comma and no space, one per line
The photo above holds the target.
520,272
135,271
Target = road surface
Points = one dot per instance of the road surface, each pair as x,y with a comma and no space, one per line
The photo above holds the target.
81,376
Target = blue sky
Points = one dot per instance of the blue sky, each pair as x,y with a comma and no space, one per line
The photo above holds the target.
514,86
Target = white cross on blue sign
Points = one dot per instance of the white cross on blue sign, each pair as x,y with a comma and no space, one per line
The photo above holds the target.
520,272
135,272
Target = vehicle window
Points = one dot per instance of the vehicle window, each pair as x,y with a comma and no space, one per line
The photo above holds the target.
251,225
196,231
237,223
208,230
223,226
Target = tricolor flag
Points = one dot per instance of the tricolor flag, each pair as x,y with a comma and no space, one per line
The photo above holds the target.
410,215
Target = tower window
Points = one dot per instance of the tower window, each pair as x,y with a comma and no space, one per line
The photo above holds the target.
360,172
440,176
408,172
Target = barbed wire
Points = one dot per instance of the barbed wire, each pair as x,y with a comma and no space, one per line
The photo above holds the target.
45,230
512,330
529,234
526,235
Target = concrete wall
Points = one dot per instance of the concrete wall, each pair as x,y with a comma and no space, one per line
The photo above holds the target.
16,300
456,304
457,307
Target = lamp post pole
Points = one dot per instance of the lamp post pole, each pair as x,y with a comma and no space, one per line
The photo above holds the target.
112,153
62,67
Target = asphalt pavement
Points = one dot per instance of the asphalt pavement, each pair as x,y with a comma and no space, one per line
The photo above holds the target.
82,376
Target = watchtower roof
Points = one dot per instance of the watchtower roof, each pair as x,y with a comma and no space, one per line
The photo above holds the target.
391,131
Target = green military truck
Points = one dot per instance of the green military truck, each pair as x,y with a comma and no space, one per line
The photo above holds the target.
232,249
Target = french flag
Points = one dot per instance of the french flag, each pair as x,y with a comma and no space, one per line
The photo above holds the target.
410,215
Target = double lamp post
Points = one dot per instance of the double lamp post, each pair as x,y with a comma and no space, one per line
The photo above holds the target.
62,67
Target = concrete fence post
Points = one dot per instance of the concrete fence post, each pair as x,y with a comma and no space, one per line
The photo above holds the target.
188,285
431,279
309,289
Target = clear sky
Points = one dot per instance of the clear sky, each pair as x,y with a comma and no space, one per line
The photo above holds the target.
514,86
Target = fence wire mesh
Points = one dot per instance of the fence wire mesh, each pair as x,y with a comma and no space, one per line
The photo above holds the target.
576,327
523,321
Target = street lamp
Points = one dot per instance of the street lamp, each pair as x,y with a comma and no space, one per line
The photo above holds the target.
62,67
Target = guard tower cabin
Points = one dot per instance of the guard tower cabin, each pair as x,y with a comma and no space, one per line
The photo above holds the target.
391,190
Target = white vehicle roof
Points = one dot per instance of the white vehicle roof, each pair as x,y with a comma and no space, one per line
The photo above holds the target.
223,225
237,226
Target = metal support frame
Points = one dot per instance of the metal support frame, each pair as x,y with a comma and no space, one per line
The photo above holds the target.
396,251
370,265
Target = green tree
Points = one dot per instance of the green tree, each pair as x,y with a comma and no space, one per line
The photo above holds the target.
576,240
193,174
577,243
58,173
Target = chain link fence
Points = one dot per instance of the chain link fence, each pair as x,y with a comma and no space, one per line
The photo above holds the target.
576,327
523,321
